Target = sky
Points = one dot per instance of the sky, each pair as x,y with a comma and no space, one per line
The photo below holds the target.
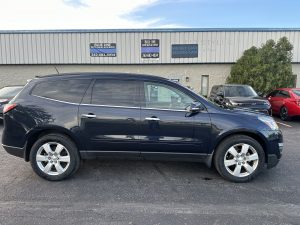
114,14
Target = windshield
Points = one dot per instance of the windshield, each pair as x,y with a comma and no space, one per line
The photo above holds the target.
296,92
8,92
239,91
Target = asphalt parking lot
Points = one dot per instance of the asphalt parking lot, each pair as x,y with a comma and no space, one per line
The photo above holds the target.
152,192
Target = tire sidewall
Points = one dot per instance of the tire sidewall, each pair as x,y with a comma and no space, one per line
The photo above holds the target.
280,114
225,145
68,144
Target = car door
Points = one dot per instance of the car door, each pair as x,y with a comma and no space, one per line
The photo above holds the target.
166,127
273,99
109,117
278,100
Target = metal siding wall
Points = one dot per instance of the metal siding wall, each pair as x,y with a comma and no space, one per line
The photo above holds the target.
73,48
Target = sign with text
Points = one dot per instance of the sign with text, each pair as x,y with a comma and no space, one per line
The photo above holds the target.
185,51
150,48
103,49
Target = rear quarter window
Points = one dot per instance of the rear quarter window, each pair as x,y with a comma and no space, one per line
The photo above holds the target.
62,90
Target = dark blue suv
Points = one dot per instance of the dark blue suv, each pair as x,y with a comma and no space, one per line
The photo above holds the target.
57,120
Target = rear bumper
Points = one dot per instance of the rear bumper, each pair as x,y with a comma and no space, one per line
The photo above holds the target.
16,151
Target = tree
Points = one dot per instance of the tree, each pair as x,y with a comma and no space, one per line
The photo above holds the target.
265,68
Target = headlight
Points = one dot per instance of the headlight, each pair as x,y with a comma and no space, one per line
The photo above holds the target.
230,102
267,103
269,121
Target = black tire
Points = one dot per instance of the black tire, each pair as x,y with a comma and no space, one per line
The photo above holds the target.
284,114
69,146
222,151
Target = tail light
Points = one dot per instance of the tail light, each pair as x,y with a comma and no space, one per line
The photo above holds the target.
9,107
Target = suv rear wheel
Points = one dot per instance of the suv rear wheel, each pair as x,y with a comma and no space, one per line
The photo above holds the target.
239,158
54,157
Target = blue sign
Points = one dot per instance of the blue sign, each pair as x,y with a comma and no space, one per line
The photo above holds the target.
103,49
185,51
150,48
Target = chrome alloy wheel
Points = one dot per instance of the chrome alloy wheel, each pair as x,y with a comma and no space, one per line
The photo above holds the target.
53,158
241,160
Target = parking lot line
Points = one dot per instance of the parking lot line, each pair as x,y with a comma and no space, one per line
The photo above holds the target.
284,124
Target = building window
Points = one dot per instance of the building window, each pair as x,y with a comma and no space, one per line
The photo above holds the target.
204,85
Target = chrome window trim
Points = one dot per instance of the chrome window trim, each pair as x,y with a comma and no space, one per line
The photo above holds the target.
174,110
72,103
111,106
132,107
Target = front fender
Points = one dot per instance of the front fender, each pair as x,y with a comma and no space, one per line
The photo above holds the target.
260,137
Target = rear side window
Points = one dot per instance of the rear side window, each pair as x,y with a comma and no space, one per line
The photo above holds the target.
62,90
116,93
214,90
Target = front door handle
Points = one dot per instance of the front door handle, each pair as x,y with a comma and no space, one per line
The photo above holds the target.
152,119
90,115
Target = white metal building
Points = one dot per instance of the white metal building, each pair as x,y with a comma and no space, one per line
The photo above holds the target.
198,58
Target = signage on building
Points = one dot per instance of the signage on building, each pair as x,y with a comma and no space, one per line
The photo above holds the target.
103,49
150,48
184,50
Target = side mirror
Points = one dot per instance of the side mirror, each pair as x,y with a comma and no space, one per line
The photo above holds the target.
260,94
220,94
194,107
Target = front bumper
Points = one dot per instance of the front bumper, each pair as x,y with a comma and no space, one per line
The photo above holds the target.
273,147
273,160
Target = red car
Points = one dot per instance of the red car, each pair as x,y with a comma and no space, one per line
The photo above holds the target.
285,102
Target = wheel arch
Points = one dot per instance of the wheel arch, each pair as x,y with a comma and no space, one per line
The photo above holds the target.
256,136
35,134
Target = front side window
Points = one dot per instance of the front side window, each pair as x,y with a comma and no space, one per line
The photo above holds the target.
162,96
272,94
116,93
62,90
283,94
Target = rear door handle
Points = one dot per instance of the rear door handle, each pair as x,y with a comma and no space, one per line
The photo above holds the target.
90,115
152,119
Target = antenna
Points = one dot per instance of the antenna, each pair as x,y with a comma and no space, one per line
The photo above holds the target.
56,70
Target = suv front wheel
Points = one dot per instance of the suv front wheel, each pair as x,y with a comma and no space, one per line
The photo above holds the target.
54,157
239,158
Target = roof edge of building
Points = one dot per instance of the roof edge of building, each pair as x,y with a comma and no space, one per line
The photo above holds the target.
150,30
